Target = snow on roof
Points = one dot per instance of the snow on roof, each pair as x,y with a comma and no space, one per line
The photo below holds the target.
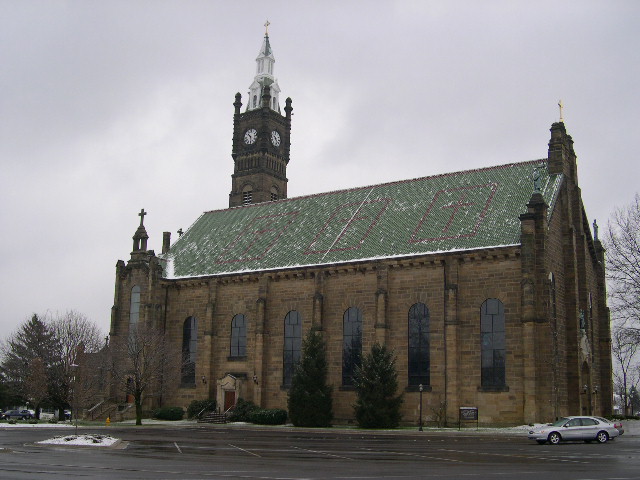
458,211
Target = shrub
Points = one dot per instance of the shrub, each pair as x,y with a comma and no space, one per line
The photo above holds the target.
242,411
274,416
169,413
197,406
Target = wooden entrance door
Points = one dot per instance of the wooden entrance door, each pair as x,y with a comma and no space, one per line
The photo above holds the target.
229,399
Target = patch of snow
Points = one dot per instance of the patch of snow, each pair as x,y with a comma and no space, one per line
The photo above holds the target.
87,440
36,425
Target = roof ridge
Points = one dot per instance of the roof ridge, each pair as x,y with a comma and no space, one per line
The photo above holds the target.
384,184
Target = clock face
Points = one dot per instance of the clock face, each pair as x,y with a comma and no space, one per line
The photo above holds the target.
275,138
250,136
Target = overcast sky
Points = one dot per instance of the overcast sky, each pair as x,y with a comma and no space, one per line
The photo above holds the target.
110,107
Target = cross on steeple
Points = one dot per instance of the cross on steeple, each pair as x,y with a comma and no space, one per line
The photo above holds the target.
141,215
266,27
560,105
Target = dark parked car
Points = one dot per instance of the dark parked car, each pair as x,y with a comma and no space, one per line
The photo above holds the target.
17,414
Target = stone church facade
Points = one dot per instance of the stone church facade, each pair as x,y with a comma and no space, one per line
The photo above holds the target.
488,285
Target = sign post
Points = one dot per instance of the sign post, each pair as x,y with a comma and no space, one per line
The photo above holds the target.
467,414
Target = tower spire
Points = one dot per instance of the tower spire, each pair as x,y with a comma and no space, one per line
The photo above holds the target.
264,77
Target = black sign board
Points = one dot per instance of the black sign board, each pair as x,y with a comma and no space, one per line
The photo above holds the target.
468,414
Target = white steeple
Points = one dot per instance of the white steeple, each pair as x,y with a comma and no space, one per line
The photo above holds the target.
264,76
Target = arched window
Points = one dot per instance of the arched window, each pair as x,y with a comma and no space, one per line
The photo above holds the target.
419,345
255,101
238,336
189,345
134,310
274,194
292,344
352,344
492,333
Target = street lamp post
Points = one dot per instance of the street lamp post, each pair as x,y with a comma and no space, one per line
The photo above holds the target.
74,410
420,388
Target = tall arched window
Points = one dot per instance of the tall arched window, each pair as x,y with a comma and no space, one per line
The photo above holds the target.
419,345
189,345
352,344
238,336
134,310
292,344
492,331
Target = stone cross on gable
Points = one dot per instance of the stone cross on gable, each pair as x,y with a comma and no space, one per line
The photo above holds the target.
595,230
560,105
141,215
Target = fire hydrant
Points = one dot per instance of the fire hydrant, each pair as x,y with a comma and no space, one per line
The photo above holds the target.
108,421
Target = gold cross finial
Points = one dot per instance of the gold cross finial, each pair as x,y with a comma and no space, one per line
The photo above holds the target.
266,27
560,105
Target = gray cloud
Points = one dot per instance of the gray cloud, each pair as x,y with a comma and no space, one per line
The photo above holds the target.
108,107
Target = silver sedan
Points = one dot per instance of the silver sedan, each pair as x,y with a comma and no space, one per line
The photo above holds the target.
585,429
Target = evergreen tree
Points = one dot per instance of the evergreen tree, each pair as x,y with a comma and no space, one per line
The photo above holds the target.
376,383
310,403
34,339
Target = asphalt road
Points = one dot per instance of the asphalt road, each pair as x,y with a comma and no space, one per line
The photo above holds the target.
222,452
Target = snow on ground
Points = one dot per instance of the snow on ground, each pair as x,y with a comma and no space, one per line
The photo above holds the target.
36,425
88,440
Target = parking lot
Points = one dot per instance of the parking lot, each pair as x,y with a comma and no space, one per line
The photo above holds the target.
244,452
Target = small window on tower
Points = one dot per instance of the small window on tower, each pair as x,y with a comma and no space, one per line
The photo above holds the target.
274,194
255,101
247,195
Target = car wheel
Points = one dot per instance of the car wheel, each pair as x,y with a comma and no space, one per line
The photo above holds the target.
541,442
602,437
554,438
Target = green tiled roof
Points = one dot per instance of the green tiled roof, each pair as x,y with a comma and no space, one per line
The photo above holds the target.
457,211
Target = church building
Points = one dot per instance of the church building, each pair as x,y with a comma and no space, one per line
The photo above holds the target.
488,285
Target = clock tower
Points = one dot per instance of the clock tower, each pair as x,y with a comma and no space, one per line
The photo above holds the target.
261,138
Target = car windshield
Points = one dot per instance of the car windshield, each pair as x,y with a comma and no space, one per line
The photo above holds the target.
560,422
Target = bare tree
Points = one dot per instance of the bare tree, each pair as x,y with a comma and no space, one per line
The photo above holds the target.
77,339
623,266
76,334
624,348
141,363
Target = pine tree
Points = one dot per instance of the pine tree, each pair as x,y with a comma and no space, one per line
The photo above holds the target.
310,403
376,382
34,339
